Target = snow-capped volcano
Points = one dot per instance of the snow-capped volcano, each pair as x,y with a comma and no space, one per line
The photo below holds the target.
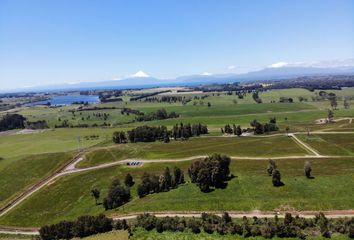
139,74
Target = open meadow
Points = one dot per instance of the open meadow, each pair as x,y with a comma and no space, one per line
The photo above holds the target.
28,157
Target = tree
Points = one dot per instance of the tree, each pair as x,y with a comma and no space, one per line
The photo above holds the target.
119,137
346,104
330,115
168,179
287,129
96,194
271,167
117,195
333,100
12,121
129,181
238,131
213,171
308,169
276,178
258,127
178,176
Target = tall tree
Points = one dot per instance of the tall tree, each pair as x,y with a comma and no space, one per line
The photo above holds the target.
129,181
307,169
96,194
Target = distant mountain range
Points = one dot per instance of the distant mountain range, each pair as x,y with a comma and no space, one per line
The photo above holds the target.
142,80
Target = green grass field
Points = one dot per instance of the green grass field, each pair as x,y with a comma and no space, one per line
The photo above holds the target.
113,235
331,144
27,158
22,172
233,146
250,190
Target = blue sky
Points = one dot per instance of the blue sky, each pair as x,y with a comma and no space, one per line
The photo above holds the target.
47,42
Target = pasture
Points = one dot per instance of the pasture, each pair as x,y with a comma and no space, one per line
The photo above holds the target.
251,189
276,146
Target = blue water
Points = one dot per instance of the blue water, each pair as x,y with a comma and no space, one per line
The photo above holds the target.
67,100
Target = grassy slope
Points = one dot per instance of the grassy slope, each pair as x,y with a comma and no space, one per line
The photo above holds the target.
244,146
331,144
58,140
113,235
25,171
70,197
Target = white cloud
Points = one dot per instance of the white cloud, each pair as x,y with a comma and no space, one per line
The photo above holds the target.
278,65
72,83
139,74
116,78
231,67
335,63
206,74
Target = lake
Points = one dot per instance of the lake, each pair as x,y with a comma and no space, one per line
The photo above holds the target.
67,100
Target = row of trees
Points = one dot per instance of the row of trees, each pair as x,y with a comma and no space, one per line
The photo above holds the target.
151,134
185,131
288,227
168,99
148,134
12,121
153,184
236,130
160,114
213,171
260,128
84,226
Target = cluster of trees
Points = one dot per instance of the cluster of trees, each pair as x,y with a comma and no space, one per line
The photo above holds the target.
151,134
185,131
273,171
80,103
117,195
84,226
213,171
169,99
12,121
119,137
236,130
153,184
260,128
129,111
148,134
160,114
40,124
106,96
256,97
289,227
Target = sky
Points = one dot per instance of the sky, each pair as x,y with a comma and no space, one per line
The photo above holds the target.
48,42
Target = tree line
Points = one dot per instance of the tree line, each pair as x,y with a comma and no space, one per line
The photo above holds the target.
160,133
260,128
12,121
288,227
160,114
